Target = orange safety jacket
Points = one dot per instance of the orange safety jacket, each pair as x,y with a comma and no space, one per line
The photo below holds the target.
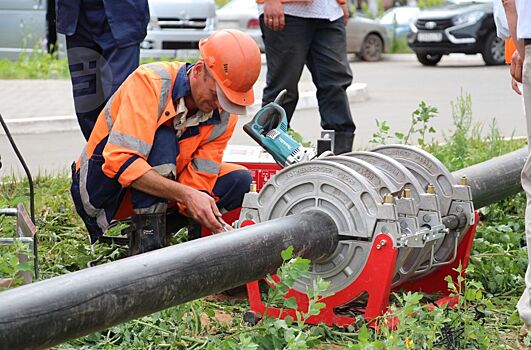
125,130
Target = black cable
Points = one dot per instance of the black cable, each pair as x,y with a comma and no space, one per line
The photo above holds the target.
32,193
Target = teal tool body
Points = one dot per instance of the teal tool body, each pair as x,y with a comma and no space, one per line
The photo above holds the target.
269,127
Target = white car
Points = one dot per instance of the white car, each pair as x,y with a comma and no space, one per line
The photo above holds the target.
176,26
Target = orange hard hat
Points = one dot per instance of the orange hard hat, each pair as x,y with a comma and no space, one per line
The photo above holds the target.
233,59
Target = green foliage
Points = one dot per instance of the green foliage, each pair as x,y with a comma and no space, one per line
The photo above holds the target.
290,333
34,65
369,14
11,266
411,323
298,137
422,4
498,258
466,145
418,128
398,44
221,3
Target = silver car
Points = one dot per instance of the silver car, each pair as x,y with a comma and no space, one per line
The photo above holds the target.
176,26
22,26
366,38
242,15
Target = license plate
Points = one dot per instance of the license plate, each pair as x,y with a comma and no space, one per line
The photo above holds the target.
429,37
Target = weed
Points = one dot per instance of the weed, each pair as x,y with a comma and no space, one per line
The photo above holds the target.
419,127
11,266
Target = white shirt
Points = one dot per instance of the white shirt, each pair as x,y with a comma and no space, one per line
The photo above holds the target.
182,121
502,28
322,9
523,9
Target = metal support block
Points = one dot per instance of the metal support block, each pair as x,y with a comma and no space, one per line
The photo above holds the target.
25,232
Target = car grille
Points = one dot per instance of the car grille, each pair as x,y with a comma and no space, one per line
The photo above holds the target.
439,24
180,45
179,23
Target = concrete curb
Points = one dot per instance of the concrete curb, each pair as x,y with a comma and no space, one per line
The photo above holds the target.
357,92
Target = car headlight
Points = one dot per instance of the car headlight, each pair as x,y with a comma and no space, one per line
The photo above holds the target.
153,24
468,18
413,28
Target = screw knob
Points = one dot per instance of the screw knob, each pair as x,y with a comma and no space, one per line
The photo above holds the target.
252,187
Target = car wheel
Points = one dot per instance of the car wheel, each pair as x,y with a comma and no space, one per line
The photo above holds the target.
429,59
494,50
372,48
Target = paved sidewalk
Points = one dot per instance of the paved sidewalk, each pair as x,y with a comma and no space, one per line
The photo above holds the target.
42,106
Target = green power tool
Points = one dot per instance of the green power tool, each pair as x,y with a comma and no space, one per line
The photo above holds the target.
269,127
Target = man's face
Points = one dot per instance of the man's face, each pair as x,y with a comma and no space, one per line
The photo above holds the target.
204,90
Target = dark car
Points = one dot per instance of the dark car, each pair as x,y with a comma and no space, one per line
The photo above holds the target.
456,27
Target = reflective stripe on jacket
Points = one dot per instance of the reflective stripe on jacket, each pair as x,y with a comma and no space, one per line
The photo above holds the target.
125,129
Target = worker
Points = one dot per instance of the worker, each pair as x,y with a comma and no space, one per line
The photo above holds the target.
518,29
103,47
156,149
312,33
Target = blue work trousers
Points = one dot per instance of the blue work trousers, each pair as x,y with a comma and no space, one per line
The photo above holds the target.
98,65
319,44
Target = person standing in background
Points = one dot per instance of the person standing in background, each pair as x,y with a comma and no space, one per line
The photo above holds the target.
311,33
103,47
518,16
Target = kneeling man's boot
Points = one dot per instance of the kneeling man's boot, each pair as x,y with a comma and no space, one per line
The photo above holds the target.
343,142
148,232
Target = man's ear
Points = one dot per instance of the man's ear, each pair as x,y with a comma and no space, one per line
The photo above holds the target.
199,67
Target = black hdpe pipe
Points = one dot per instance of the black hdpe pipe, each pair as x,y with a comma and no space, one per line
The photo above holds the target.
50,312
495,179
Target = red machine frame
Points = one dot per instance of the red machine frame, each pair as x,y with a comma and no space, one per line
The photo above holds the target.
381,262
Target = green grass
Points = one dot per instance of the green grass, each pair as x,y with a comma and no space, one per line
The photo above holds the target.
34,66
37,65
484,318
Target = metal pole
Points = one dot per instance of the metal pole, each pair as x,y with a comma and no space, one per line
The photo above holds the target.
495,179
53,311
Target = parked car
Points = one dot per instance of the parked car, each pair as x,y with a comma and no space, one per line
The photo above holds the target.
242,15
458,26
23,27
177,26
365,37
398,20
